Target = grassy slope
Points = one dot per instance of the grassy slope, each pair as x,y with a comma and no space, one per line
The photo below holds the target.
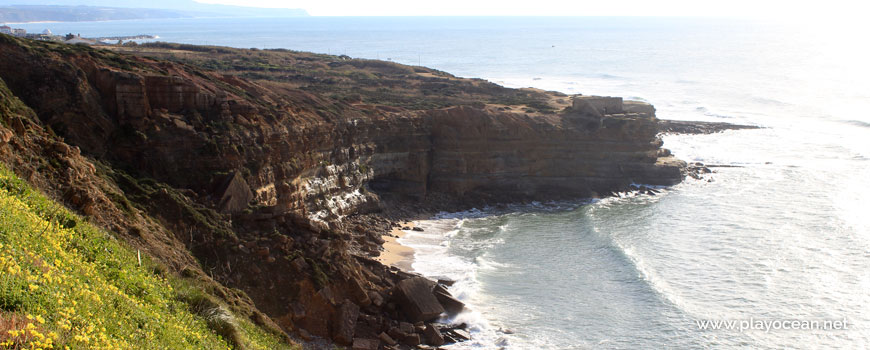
342,78
66,284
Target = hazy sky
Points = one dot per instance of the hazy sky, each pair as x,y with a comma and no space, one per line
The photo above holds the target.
782,9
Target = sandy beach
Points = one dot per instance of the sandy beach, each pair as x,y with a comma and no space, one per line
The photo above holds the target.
396,254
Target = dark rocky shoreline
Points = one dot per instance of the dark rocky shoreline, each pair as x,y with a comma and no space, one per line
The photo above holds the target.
698,127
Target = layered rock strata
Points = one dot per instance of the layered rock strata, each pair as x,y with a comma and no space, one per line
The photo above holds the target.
260,182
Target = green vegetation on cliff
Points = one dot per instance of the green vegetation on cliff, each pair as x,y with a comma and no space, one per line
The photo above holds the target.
75,282
355,80
9,104
65,283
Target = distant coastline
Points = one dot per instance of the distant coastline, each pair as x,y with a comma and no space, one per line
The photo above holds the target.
34,22
76,12
120,20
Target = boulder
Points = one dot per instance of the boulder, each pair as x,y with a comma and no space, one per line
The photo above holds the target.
376,298
446,282
412,340
318,312
440,288
370,320
387,339
345,322
406,328
418,229
366,344
234,194
359,293
396,333
451,304
416,299
433,336
456,335
462,334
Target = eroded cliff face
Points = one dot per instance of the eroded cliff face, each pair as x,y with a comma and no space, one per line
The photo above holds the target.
478,152
314,156
255,178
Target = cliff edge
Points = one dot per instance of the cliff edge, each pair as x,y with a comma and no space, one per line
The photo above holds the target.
249,169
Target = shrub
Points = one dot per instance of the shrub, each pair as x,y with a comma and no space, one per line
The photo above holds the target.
65,283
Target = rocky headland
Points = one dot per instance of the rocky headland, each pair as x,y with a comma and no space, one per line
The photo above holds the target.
269,176
698,127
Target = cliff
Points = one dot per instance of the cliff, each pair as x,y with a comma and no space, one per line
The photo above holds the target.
249,169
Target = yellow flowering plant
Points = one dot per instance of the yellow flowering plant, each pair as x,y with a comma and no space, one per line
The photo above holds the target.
65,284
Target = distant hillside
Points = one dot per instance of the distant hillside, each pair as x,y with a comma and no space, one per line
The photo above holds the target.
96,10
16,14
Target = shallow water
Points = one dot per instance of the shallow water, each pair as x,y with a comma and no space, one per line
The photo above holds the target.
783,237
786,236
639,272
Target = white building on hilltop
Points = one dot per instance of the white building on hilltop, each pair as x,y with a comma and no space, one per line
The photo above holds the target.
5,29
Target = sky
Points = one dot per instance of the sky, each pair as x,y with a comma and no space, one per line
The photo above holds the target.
782,9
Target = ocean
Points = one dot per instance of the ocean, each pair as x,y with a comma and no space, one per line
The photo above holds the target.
778,242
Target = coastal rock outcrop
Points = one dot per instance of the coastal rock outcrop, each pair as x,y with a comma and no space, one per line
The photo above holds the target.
302,153
478,152
234,195
258,180
433,336
417,299
698,127
451,305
